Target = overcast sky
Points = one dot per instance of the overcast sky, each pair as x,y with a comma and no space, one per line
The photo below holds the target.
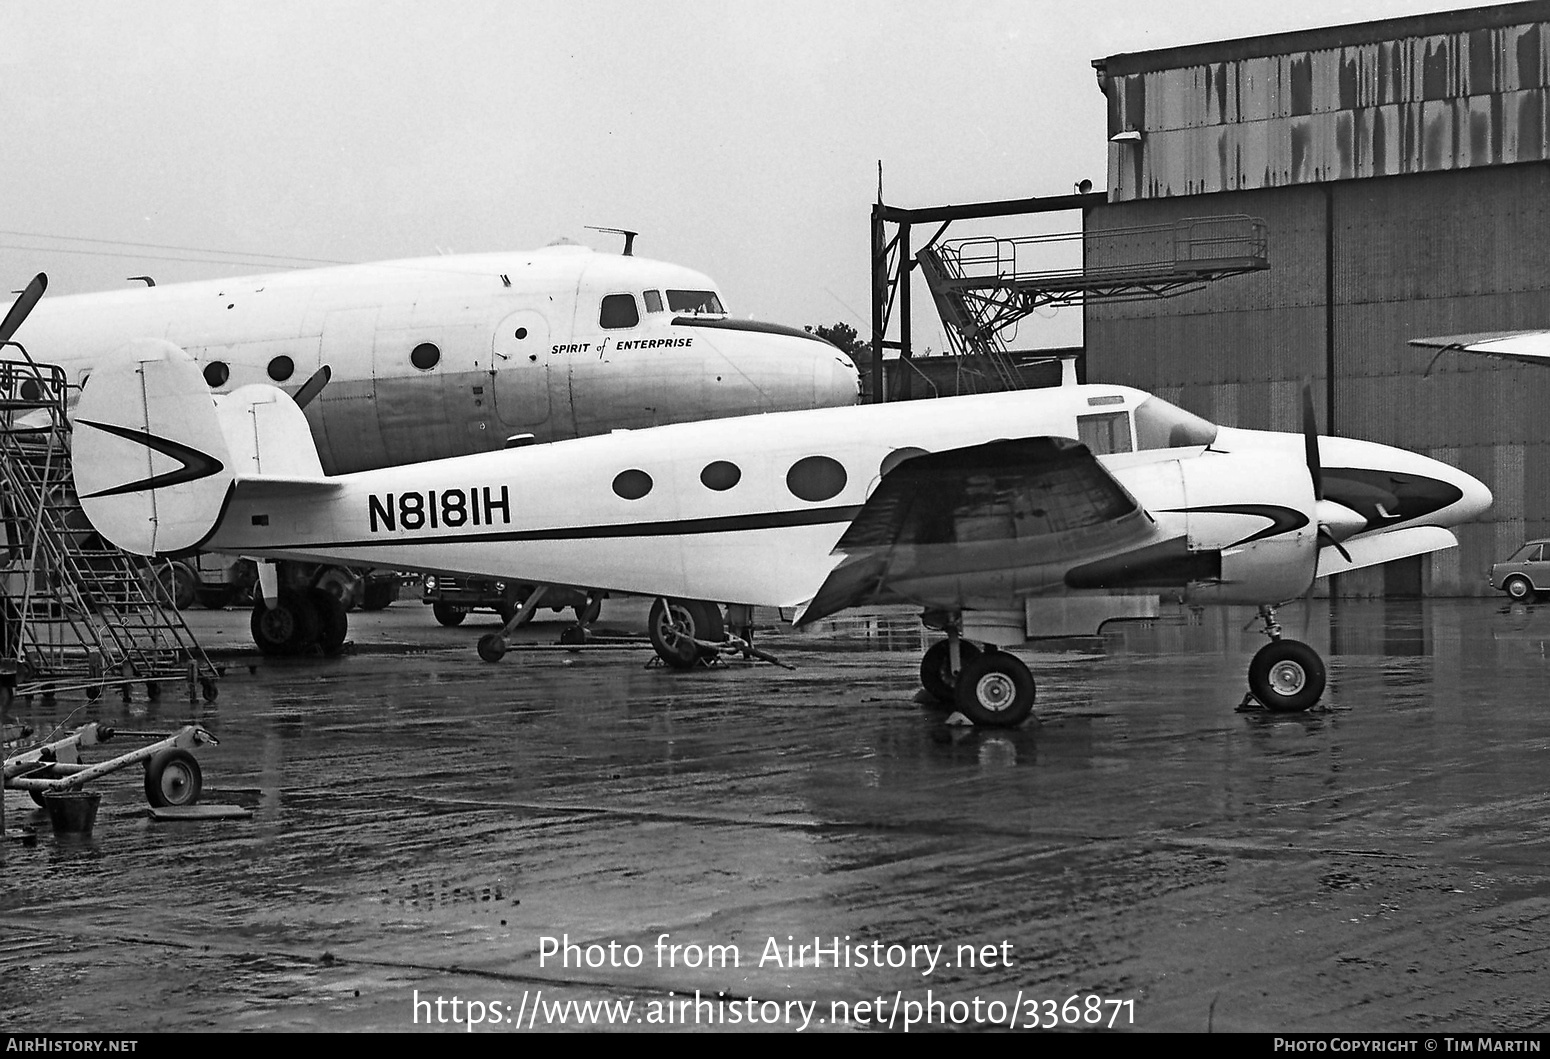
739,138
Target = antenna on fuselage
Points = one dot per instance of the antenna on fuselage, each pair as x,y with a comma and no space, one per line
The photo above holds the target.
147,280
629,237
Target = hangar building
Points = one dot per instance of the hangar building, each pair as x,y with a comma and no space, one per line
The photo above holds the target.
1403,170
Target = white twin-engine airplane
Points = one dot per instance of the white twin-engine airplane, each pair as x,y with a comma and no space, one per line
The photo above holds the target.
966,506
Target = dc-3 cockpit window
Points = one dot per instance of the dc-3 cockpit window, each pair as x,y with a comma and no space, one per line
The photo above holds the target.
695,301
653,300
1160,425
618,311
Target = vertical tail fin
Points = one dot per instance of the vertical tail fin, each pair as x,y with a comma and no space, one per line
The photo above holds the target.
151,462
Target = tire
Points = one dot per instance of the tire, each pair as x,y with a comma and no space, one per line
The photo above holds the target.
290,627
448,614
178,582
172,778
333,620
995,690
217,598
588,612
1286,676
1518,588
667,624
936,676
492,647
378,595
340,585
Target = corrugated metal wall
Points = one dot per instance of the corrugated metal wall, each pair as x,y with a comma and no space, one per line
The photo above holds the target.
1418,104
1440,253
1402,170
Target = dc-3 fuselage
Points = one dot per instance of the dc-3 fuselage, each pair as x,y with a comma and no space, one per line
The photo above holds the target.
453,355
969,503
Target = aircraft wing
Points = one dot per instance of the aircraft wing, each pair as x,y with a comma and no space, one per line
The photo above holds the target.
1004,518
1525,347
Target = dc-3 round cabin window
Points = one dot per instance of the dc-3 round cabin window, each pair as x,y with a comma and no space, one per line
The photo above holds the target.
216,374
281,368
632,484
425,356
816,478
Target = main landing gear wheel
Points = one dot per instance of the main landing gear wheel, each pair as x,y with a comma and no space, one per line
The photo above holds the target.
1286,676
674,624
173,777
936,672
995,690
333,620
288,628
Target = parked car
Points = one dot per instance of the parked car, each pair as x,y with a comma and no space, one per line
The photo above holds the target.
1526,572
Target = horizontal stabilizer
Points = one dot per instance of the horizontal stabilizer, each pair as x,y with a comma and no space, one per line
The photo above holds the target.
150,460
267,433
279,487
1384,548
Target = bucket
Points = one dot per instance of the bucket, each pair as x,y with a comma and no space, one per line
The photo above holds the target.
73,812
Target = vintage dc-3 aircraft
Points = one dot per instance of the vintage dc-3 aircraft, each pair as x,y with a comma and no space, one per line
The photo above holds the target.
446,356
966,506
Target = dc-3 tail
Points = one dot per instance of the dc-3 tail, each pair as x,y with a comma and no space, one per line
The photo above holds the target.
156,456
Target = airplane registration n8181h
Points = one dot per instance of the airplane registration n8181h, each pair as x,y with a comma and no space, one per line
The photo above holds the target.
967,507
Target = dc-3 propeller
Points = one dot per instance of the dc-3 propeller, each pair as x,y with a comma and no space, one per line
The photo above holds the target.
23,305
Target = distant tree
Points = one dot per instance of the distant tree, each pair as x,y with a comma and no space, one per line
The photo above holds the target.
845,337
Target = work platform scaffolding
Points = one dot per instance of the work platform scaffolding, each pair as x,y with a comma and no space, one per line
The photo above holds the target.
984,285
78,613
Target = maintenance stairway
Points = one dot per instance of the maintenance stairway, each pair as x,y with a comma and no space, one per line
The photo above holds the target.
78,613
983,286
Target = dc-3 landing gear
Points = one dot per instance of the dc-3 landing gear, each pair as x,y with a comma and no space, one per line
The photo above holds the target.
990,687
1285,676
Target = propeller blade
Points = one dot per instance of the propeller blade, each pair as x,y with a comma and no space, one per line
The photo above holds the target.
1310,440
1327,540
312,387
24,304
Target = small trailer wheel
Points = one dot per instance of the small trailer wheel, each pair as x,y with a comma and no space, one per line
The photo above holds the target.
492,646
208,689
172,777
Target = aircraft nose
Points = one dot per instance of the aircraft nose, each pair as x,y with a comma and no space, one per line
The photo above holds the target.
836,381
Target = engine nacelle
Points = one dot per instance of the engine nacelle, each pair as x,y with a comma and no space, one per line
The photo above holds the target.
1238,528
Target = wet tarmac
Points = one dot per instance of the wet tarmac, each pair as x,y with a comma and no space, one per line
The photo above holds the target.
579,827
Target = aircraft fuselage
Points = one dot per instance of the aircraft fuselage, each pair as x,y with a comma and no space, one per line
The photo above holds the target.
449,356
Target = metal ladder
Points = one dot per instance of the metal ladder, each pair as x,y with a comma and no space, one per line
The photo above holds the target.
78,613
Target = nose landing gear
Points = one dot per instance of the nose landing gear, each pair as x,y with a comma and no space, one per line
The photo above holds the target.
1285,676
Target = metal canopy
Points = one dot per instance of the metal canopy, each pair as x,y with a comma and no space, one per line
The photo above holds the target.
982,286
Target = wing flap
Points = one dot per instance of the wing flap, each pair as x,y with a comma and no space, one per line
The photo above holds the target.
1000,520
